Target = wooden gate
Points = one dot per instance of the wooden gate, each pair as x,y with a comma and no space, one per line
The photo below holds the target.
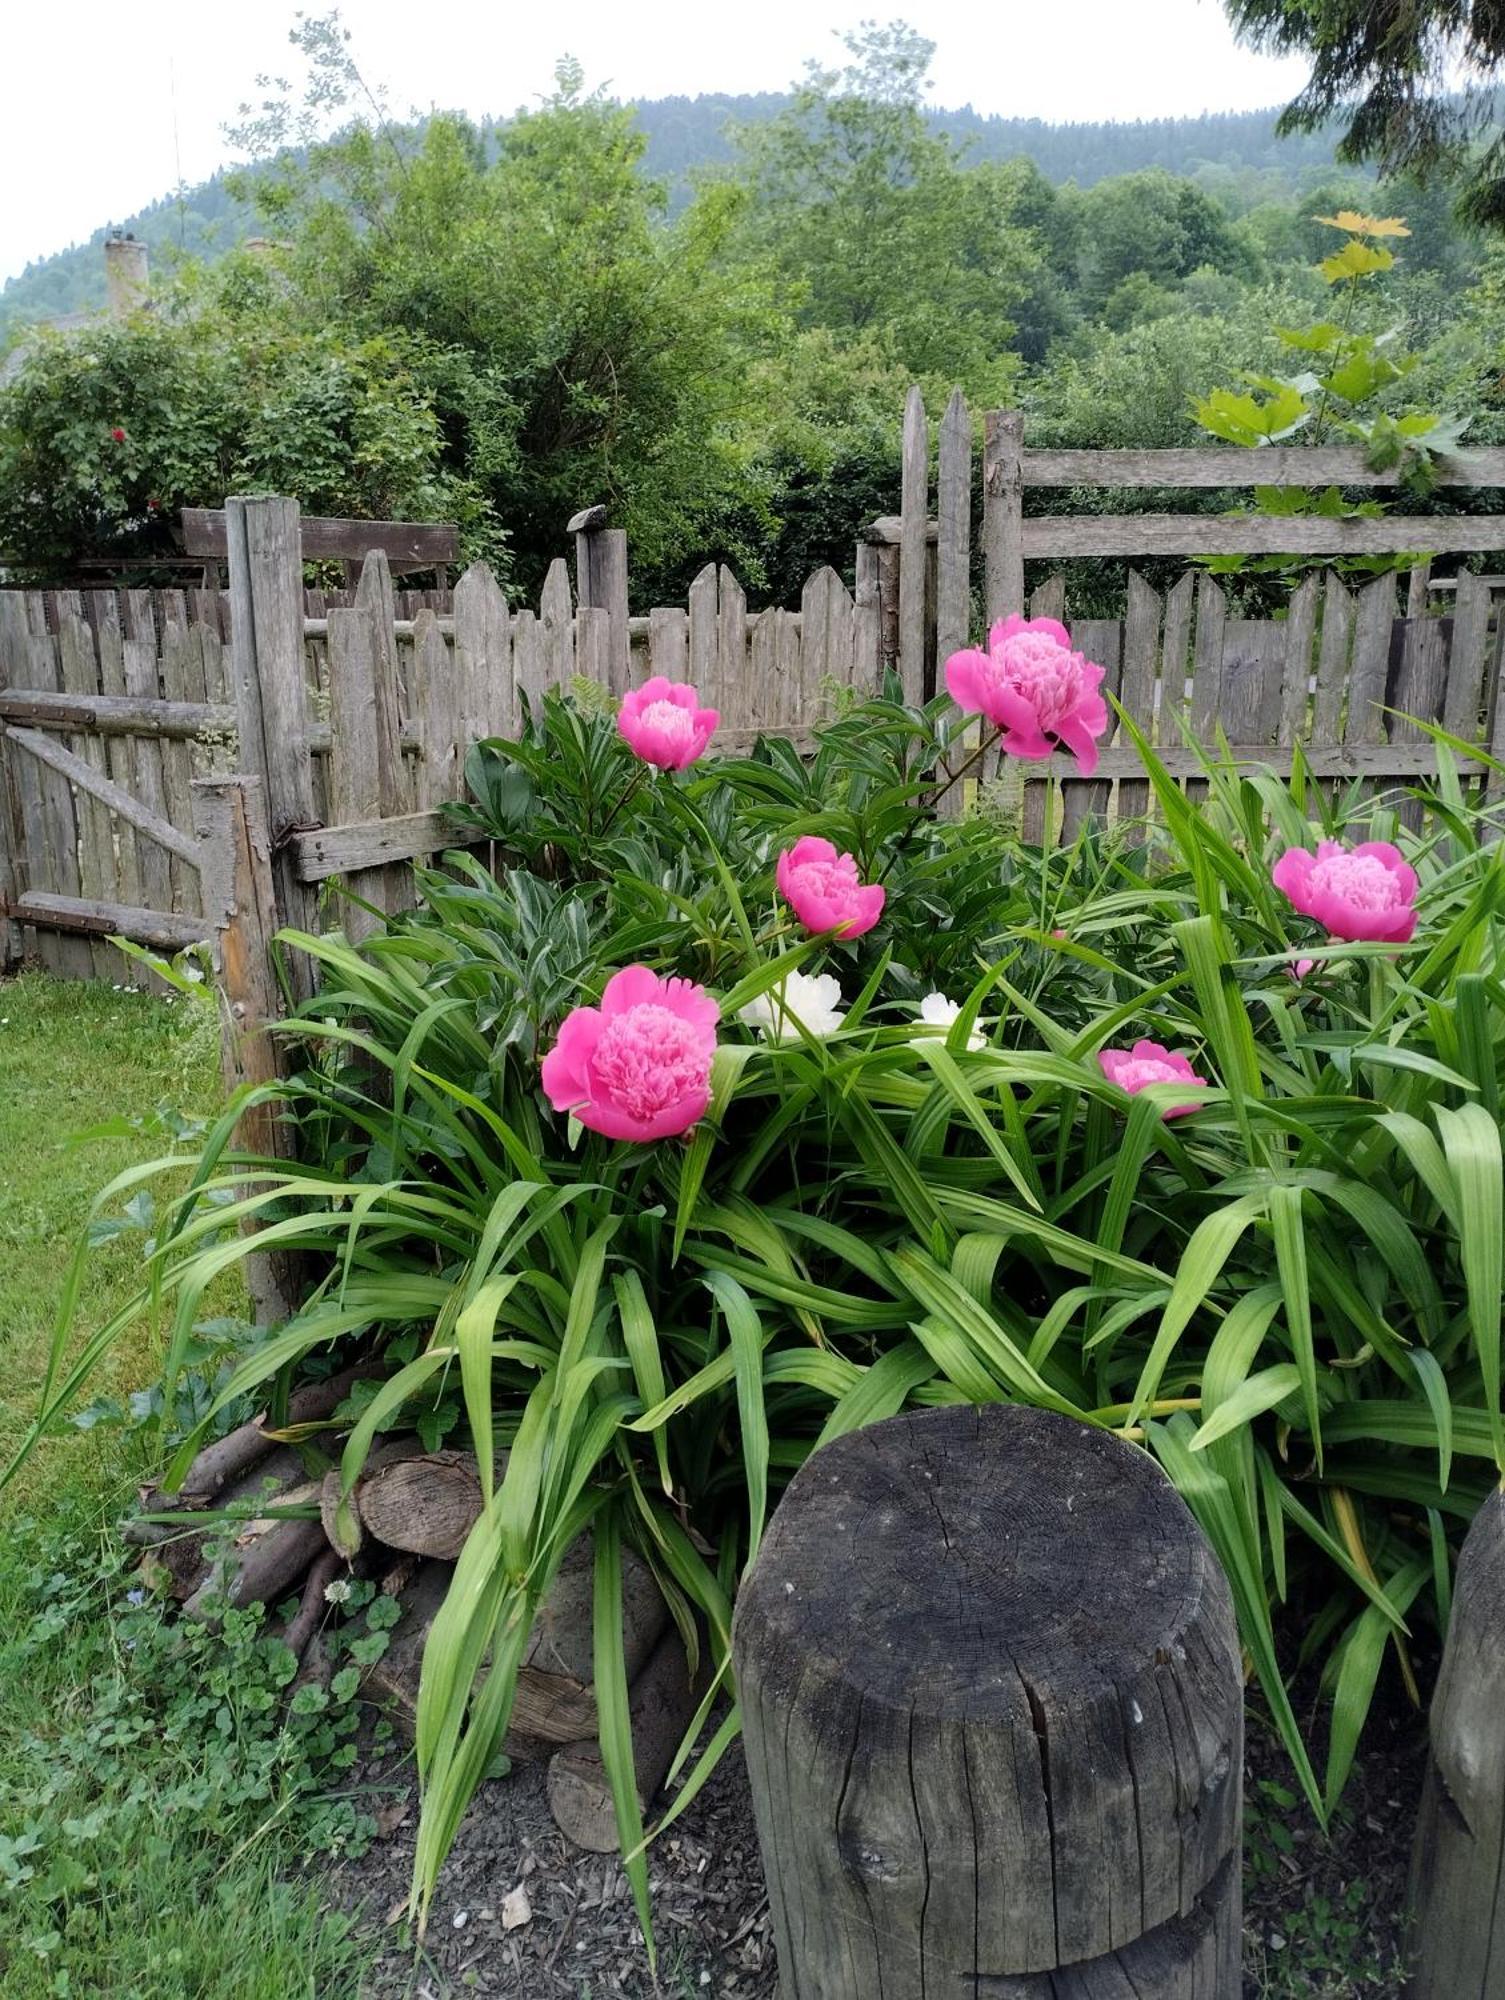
112,705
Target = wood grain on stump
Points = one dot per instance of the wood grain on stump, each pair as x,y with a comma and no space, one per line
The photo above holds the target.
1456,1930
992,1700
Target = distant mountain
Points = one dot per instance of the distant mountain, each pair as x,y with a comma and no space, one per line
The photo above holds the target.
201,222
1236,152
689,132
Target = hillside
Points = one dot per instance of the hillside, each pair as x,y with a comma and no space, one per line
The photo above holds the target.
1236,152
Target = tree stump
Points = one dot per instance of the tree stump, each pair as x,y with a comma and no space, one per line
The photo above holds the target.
993,1707
1456,1906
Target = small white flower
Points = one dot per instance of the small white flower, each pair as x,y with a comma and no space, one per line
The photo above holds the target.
796,1002
938,1015
337,1591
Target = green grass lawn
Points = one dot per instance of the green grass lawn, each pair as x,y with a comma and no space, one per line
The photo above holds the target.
75,1055
155,1809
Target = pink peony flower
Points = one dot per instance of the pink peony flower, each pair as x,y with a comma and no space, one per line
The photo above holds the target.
664,723
639,1065
822,888
1300,967
1035,688
1146,1063
1365,894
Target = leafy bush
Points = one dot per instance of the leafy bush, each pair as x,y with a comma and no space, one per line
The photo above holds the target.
1291,1296
106,435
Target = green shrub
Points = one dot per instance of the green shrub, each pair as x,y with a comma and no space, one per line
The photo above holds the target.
106,434
1291,1297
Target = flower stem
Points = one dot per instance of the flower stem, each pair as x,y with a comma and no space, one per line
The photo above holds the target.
929,803
635,781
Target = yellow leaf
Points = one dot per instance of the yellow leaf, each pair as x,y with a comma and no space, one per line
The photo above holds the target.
1364,225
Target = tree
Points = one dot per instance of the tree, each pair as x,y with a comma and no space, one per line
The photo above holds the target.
1387,68
578,346
871,222
1150,226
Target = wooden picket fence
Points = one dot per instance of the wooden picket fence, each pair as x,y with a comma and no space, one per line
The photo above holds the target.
355,709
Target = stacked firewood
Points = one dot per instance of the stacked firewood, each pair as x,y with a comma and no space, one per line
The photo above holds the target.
403,1525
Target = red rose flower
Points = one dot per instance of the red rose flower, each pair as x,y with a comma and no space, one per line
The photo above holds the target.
118,434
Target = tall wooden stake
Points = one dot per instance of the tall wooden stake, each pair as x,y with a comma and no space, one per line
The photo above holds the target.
235,877
271,697
1456,1905
1003,512
992,1701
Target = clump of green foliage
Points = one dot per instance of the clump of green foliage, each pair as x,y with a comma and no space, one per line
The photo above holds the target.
106,435
1292,1297
1340,392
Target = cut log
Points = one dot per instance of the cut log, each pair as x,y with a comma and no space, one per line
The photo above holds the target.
555,1702
563,1641
661,1706
305,1622
237,1454
992,1704
262,1567
179,1548
425,1505
1456,1904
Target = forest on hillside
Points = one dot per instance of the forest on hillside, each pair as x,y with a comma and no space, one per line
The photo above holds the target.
501,324
1233,154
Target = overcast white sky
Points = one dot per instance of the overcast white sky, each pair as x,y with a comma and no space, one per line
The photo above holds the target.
108,102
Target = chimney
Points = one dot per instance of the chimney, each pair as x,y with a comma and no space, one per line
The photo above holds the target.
126,280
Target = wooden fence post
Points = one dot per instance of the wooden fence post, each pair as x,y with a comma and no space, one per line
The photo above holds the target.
1003,512
992,1702
953,512
12,834
1456,1903
271,696
235,882
601,584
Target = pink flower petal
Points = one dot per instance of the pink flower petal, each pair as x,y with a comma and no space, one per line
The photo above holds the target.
1149,1063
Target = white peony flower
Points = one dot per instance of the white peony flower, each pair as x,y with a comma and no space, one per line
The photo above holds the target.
796,1002
938,1015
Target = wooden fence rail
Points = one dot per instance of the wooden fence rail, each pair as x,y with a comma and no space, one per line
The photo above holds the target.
356,708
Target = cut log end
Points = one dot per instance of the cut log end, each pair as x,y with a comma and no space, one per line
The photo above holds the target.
424,1504
661,1705
992,1704
555,1701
